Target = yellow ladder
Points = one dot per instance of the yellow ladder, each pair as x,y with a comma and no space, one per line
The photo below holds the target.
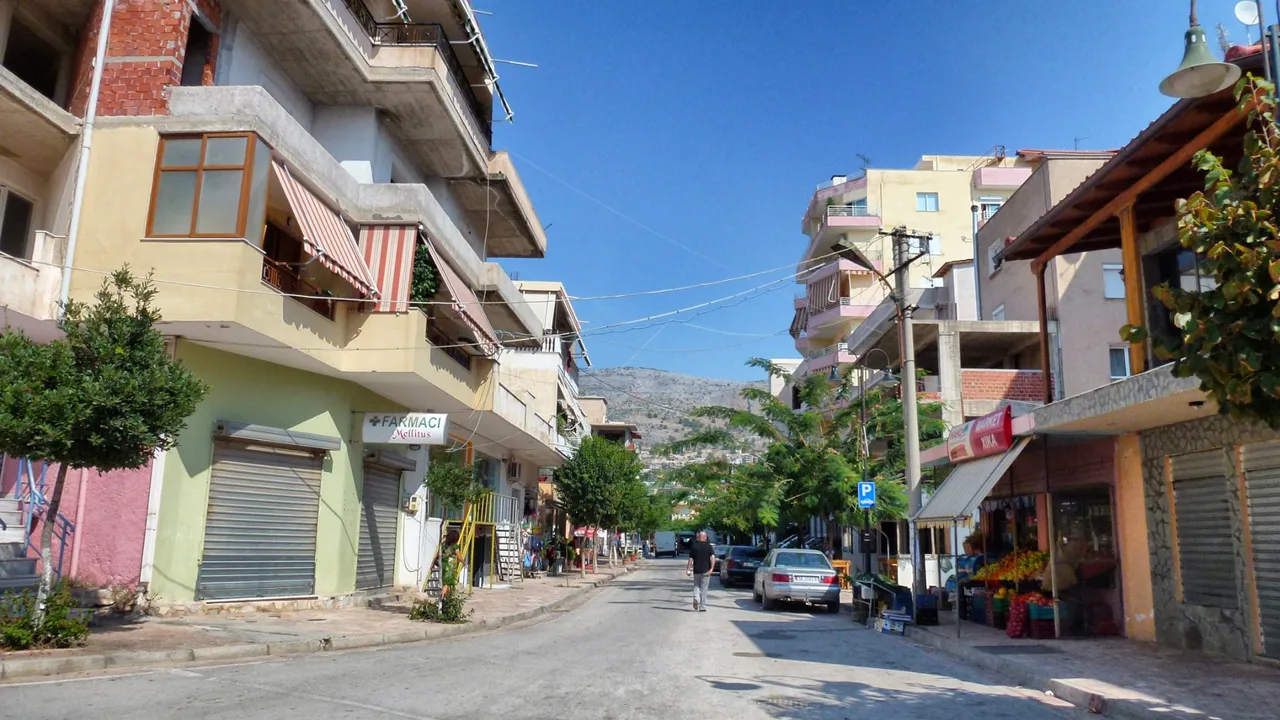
466,542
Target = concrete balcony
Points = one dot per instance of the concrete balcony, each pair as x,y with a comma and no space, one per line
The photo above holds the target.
824,358
514,227
34,132
29,287
338,54
855,228
507,308
511,418
1000,178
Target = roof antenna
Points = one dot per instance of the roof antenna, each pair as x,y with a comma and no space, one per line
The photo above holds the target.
1076,141
866,162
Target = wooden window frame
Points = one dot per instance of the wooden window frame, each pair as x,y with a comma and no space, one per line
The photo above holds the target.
246,182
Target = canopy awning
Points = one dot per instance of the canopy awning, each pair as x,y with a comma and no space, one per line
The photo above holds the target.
325,235
465,303
966,487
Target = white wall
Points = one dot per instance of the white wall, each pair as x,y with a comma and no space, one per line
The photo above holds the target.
243,62
439,187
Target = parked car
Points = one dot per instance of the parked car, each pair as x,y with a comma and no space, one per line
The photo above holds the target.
664,542
720,551
796,575
739,565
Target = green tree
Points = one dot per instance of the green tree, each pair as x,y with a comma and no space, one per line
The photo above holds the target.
1225,336
425,279
592,483
105,396
814,456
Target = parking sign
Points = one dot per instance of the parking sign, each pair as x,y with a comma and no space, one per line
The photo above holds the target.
866,495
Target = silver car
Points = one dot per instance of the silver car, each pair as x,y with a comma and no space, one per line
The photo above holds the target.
796,575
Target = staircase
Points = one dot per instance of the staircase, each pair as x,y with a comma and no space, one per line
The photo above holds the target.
509,565
17,571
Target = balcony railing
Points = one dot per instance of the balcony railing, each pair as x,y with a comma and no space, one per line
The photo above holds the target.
489,509
828,350
447,346
284,279
856,210
569,376
423,34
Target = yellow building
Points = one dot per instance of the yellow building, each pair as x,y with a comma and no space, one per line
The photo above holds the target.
944,196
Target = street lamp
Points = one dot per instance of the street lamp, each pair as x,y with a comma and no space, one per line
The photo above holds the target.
866,451
1200,73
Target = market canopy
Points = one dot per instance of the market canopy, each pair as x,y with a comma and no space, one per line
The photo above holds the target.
967,486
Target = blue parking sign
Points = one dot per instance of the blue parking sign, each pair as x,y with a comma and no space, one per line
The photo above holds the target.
866,495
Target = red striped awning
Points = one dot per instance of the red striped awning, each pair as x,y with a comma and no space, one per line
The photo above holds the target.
325,235
388,251
465,303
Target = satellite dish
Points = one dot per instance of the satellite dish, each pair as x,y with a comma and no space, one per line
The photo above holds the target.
1247,12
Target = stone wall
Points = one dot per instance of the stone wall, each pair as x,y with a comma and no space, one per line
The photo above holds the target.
1195,627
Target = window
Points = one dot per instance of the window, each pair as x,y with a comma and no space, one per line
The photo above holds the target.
860,207
1119,363
15,224
993,257
196,59
1113,282
927,202
210,186
988,207
1178,267
998,313
935,244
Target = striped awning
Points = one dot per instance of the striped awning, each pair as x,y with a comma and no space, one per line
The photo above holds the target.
388,252
799,321
325,235
465,303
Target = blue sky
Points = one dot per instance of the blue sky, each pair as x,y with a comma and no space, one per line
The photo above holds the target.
709,123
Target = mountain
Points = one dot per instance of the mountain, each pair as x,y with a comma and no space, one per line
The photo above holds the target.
658,402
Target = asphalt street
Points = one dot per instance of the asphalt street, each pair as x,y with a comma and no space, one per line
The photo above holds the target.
634,650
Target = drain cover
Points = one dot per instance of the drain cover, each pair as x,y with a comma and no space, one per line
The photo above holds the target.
1017,649
756,655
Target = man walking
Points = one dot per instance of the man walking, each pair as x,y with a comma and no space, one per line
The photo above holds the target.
702,562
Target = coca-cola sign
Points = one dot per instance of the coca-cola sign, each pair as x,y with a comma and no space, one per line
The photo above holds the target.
987,435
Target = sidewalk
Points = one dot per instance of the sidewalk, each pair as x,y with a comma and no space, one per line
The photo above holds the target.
1116,677
201,638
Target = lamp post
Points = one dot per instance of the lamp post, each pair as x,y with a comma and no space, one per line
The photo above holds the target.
866,447
1200,73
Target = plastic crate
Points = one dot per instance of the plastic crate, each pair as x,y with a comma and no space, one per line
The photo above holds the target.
1041,630
1040,612
978,609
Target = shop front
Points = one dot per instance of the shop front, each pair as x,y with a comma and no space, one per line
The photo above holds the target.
1034,517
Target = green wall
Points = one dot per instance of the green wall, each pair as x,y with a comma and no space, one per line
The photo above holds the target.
254,391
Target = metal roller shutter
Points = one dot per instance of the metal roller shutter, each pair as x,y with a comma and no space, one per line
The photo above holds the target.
260,532
1203,519
1262,480
379,513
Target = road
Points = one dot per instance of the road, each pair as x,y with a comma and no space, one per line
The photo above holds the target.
634,650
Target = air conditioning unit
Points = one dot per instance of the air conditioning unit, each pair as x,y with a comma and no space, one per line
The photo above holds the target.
514,471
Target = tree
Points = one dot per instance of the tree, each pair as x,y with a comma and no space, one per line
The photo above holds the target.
814,457
1225,335
592,483
426,278
104,396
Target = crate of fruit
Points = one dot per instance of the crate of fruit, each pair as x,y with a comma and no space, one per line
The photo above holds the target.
1040,612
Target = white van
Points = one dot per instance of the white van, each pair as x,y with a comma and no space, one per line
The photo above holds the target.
664,542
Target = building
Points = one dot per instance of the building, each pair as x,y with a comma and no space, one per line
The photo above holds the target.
1177,521
1084,292
943,195
289,171
597,409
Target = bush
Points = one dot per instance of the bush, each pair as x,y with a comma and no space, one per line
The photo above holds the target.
450,607
60,628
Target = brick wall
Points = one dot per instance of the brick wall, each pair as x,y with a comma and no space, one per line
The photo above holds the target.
1022,385
144,55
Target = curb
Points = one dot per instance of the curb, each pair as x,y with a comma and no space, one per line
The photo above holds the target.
46,666
1019,674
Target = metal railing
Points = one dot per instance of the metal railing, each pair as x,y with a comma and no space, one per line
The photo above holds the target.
34,502
828,350
488,509
569,377
855,210
283,278
429,35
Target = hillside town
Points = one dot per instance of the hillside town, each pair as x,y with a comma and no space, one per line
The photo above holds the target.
298,416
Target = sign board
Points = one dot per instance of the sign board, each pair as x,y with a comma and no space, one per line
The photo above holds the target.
866,495
988,435
405,428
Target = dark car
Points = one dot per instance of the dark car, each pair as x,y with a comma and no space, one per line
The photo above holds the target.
740,563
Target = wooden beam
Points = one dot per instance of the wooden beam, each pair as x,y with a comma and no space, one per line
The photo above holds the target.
1146,182
1133,295
1046,376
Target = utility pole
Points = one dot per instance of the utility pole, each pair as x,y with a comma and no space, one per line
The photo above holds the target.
902,258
